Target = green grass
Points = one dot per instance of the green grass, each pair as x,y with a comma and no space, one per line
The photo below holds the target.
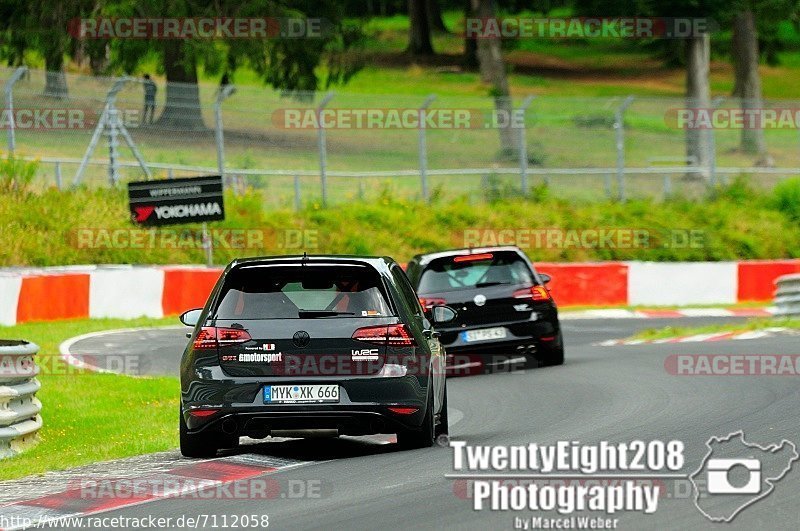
91,417
750,325
738,222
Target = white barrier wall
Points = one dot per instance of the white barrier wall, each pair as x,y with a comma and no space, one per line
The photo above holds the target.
9,296
682,283
126,293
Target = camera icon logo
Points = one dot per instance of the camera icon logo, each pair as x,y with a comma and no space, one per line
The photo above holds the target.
718,479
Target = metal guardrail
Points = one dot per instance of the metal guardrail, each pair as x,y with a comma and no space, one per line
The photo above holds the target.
20,420
787,295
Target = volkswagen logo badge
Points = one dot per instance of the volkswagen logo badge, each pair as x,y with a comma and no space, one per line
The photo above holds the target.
479,300
301,338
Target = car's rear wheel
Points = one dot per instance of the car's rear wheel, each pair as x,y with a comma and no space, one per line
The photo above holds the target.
425,436
551,355
197,445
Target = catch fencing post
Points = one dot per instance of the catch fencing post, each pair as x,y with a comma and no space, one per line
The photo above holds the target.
208,246
9,91
218,131
523,147
619,128
58,175
423,148
297,202
323,149
712,145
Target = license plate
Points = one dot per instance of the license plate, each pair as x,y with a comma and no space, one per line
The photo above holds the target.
486,334
301,394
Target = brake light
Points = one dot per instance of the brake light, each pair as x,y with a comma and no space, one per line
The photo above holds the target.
473,257
429,303
392,335
537,293
212,337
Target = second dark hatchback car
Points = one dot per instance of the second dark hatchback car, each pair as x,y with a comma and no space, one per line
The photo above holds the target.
506,315
312,342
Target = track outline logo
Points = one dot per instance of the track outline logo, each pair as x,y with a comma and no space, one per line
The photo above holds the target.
770,481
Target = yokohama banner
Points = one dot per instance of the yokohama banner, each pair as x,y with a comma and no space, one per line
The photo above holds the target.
174,201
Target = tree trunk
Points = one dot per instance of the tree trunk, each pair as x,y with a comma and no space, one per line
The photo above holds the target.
55,85
747,84
698,96
182,108
470,44
435,20
419,31
493,71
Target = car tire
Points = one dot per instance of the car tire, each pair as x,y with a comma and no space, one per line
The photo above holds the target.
549,357
196,445
423,437
443,428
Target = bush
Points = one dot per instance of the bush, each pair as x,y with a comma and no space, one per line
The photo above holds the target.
786,198
16,174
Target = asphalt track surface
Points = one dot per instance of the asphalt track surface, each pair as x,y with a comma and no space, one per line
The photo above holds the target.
616,394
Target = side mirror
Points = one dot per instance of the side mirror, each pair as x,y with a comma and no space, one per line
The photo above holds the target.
443,314
545,277
191,317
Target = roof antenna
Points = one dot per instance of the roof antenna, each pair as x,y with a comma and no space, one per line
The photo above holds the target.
305,258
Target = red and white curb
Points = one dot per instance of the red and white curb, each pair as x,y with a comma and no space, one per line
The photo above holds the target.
697,338
59,496
611,313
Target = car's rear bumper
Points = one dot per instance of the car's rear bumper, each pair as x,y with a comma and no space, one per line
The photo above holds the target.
518,334
261,422
363,406
524,340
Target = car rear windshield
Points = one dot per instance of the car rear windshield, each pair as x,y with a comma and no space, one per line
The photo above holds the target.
301,292
454,273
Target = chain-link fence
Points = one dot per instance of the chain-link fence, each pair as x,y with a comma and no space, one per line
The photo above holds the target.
337,147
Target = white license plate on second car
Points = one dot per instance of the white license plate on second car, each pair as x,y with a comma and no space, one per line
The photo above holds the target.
301,394
485,334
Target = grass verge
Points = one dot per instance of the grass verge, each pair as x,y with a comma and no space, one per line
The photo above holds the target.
92,226
750,325
90,417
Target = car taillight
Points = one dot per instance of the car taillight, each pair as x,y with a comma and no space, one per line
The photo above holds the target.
537,293
399,336
392,335
212,337
429,303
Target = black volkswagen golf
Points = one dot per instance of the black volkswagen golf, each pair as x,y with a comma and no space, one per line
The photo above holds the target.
506,315
312,342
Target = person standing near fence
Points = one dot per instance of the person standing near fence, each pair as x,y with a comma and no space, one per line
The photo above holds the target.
150,90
